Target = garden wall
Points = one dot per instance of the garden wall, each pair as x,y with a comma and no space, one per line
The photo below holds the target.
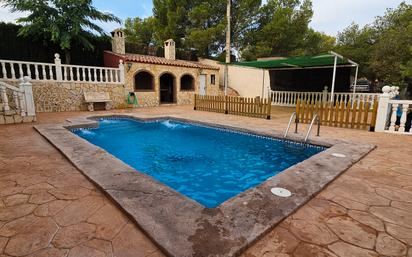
69,96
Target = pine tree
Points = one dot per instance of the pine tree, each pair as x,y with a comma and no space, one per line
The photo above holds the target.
61,21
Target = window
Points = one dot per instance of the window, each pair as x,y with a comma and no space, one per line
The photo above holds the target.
143,81
212,79
187,83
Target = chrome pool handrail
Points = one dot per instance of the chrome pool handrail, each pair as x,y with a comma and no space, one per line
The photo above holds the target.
290,123
316,117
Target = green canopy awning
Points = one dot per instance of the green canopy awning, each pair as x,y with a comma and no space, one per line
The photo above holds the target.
325,60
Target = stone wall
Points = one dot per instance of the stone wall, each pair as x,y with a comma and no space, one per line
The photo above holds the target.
152,97
69,96
15,118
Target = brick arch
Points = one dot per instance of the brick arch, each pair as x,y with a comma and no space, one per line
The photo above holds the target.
144,80
167,87
187,82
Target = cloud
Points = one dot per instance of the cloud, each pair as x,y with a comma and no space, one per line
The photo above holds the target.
333,16
7,16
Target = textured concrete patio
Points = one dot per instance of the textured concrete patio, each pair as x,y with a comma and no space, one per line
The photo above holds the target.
48,208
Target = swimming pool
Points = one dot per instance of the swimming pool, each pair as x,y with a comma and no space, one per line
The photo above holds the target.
207,164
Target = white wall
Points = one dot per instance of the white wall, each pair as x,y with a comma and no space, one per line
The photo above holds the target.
247,81
217,64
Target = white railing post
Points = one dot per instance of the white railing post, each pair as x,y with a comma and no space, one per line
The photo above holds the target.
402,124
383,109
19,100
393,117
3,70
325,94
27,89
4,99
121,68
58,65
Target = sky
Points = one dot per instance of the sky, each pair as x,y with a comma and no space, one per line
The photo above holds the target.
330,16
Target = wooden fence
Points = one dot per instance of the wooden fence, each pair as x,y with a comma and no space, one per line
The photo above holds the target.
341,114
252,107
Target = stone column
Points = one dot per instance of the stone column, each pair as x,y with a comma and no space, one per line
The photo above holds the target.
4,98
26,86
325,94
58,63
383,109
122,75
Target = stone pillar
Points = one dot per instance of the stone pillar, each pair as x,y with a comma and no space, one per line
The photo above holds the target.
325,94
383,109
58,63
122,75
26,86
118,42
170,49
4,98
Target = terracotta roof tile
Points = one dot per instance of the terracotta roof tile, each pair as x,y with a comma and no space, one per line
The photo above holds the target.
163,61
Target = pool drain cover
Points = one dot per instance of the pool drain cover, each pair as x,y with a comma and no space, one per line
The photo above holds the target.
339,155
282,192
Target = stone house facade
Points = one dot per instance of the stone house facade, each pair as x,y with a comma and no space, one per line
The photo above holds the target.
154,80
157,80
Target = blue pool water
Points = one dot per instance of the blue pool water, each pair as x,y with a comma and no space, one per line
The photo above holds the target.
206,164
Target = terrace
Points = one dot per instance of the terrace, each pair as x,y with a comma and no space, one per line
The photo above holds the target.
49,208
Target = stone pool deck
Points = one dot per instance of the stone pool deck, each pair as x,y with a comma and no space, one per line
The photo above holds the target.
48,208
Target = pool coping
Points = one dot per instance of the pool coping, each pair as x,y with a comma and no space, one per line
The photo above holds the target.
180,226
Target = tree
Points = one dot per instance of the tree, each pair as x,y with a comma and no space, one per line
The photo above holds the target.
357,44
281,28
392,49
201,24
315,43
208,24
207,30
171,20
61,21
383,47
406,69
140,31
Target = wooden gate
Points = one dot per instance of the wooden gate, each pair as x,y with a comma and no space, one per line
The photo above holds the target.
345,115
252,107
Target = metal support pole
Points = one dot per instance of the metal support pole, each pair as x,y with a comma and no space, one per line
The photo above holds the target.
296,125
356,80
228,17
332,91
354,85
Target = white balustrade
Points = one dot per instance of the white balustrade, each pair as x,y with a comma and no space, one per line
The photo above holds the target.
399,123
394,116
89,74
22,97
4,98
43,69
13,70
77,74
289,98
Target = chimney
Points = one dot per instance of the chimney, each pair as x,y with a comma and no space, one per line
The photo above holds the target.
170,49
118,42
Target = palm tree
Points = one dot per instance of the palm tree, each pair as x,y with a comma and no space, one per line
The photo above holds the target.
61,21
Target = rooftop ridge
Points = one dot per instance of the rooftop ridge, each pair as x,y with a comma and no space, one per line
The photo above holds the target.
163,61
